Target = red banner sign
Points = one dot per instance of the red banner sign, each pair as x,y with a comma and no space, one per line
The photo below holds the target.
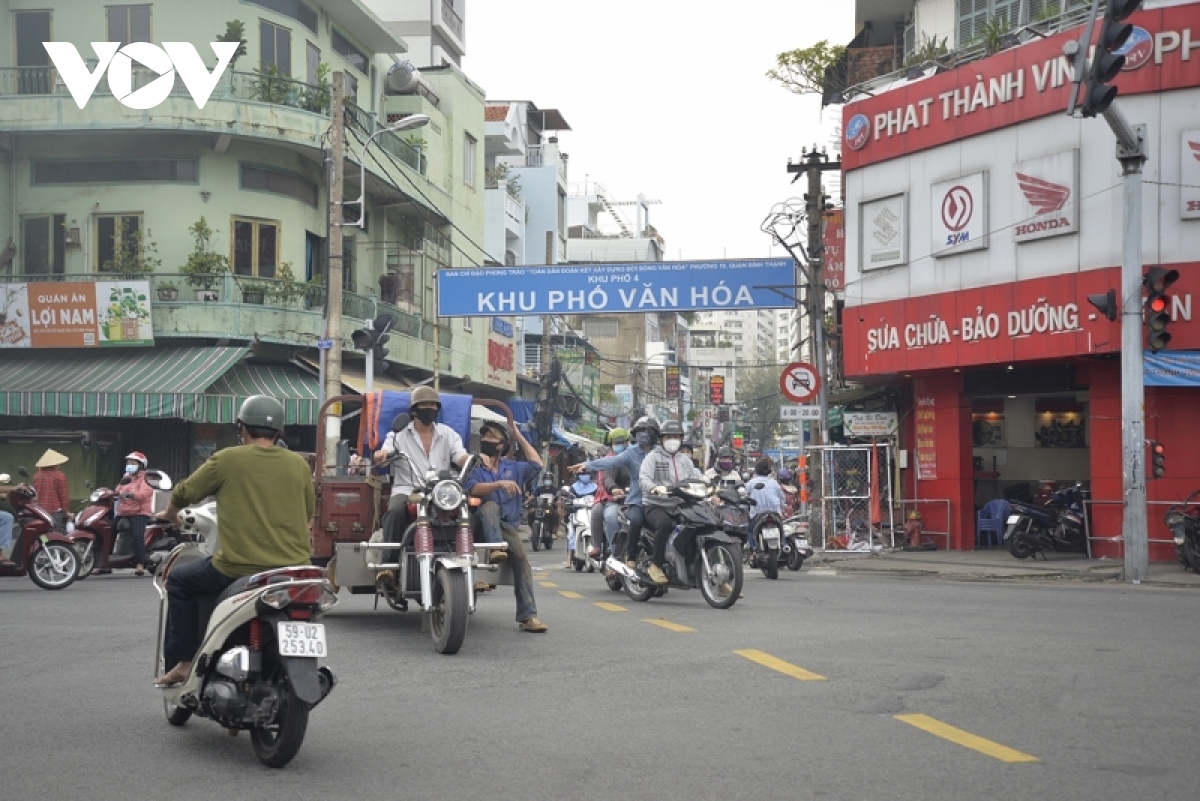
926,443
1019,84
716,390
672,382
501,363
834,269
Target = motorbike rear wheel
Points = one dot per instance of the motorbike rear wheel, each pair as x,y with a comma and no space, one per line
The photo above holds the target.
278,745
771,569
795,559
1191,552
1020,544
86,551
726,563
54,566
637,591
535,535
448,621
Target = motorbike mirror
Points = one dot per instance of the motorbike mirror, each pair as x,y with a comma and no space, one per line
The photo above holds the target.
467,467
24,473
400,422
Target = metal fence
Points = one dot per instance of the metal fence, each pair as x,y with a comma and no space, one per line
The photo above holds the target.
853,498
916,504
1119,539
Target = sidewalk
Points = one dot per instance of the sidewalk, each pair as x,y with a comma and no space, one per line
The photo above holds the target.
995,564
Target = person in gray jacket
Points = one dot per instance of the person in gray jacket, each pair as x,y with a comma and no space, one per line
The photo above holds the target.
664,466
645,434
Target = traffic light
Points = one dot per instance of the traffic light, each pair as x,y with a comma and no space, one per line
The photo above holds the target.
1158,459
1106,303
373,338
1158,306
1106,63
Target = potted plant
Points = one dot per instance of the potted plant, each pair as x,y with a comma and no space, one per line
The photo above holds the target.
204,268
285,289
314,292
167,291
134,258
254,291
316,98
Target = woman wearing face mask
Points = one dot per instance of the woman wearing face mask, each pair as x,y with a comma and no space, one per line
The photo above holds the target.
724,473
136,505
666,465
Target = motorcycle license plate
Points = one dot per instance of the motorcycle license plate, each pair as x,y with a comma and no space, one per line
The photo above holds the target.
802,544
1013,519
771,537
301,639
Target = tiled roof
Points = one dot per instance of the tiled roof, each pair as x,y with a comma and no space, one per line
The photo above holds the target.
495,113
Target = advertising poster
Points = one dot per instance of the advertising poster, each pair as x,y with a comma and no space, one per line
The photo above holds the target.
926,439
869,424
55,314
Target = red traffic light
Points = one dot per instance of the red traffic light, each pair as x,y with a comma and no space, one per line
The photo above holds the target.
1158,448
1158,304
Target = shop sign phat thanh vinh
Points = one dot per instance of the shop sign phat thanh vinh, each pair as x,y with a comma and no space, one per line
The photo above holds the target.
75,315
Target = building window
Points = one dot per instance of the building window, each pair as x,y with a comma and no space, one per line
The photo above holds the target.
117,240
33,28
279,183
255,247
468,159
467,324
43,244
128,24
349,258
354,57
275,47
974,15
294,9
113,172
312,62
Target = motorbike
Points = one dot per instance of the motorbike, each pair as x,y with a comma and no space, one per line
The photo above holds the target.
257,667
1183,520
579,531
796,547
543,514
1058,525
767,531
700,554
39,551
435,563
104,541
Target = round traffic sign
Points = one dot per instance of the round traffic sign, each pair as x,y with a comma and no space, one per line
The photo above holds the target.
799,382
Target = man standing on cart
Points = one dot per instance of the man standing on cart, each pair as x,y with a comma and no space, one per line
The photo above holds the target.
500,483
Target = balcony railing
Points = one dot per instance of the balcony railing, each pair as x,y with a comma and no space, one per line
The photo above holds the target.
533,156
452,19
366,124
514,208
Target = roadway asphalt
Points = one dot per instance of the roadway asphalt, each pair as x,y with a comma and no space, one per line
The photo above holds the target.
818,685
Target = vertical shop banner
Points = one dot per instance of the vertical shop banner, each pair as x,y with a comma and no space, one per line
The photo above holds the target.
75,315
834,242
672,382
716,390
926,438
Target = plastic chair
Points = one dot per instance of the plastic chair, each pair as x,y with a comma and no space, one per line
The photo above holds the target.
991,520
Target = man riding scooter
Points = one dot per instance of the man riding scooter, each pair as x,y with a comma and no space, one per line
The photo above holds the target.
266,499
614,484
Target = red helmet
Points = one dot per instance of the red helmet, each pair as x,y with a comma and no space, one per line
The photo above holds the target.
138,456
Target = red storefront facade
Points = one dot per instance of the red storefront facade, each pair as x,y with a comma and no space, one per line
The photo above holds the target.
978,220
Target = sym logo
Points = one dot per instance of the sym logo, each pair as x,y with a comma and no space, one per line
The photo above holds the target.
178,57
957,208
1044,196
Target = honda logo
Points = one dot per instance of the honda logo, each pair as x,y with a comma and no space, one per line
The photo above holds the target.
117,61
1044,196
1046,205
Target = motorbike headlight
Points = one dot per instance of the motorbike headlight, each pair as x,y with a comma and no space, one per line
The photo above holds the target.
95,496
695,490
447,495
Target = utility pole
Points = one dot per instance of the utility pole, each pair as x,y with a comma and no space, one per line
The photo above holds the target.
547,320
333,302
812,164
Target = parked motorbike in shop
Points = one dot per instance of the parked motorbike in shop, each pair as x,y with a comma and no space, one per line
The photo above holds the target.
105,542
700,554
39,551
1183,520
257,668
1058,525
543,515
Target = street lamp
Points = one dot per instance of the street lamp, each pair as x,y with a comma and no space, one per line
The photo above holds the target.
405,124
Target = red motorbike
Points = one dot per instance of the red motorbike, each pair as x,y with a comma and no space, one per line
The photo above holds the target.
47,556
104,541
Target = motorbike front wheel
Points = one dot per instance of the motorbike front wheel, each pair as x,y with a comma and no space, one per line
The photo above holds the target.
535,535
448,621
771,569
54,566
1020,543
1191,552
277,744
722,584
86,551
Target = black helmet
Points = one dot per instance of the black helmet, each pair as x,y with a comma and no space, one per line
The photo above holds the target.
646,423
500,428
726,452
261,411
671,428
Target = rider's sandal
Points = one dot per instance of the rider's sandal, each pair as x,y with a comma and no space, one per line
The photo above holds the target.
8,564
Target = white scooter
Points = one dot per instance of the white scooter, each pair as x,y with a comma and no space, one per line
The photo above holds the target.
579,532
257,664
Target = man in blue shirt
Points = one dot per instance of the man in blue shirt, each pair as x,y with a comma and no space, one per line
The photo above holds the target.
645,434
499,483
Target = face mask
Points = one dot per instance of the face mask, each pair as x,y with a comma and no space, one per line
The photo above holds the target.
585,478
130,469
426,416
620,446
489,448
645,439
725,465
671,445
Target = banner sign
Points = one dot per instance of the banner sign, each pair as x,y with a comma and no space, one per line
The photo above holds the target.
870,424
616,288
834,241
1015,85
716,390
87,314
672,382
926,444
1171,369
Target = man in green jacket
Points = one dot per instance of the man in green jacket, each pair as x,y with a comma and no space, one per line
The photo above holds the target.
265,501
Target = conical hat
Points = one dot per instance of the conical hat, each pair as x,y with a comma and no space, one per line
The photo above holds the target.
51,458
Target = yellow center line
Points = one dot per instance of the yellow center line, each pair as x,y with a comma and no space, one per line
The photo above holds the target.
611,607
569,594
548,584
774,663
965,738
668,625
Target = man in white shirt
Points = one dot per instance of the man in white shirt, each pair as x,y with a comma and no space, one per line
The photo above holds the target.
429,445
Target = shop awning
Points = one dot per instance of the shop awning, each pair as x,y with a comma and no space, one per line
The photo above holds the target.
151,383
297,389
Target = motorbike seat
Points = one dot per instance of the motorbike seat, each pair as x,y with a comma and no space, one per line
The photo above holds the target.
208,603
